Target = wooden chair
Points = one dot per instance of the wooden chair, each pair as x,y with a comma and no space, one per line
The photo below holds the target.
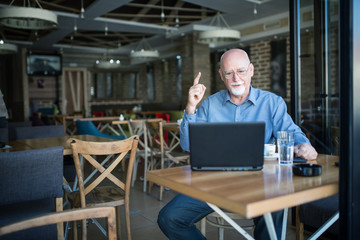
66,216
156,143
94,191
138,127
30,185
168,154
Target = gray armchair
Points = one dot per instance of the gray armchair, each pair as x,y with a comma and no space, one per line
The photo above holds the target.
40,131
13,125
31,185
45,132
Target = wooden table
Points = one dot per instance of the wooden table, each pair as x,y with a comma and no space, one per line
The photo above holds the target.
37,143
253,193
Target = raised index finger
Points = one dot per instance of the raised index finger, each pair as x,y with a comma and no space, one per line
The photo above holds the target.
196,80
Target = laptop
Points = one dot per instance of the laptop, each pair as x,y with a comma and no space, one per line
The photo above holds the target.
227,146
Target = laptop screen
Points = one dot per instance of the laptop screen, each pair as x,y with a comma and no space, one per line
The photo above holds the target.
227,146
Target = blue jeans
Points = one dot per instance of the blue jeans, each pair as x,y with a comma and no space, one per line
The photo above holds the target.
177,219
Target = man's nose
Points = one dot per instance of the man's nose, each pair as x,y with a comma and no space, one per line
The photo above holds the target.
236,77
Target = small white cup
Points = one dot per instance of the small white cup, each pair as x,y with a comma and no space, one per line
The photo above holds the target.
269,149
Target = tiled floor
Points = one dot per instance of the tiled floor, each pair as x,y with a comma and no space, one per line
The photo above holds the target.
144,210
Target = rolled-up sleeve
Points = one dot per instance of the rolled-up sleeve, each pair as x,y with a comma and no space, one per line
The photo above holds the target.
184,130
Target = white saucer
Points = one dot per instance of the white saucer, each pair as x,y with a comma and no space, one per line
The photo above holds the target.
271,158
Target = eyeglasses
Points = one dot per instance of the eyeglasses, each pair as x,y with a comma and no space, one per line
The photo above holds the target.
239,73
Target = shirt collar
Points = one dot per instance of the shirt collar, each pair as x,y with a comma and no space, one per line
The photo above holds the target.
251,97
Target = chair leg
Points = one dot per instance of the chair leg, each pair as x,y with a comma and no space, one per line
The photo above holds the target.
203,226
220,221
84,229
299,225
161,193
134,172
118,221
75,232
127,220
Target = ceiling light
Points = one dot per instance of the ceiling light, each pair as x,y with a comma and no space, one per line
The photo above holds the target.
106,29
28,17
144,51
82,10
7,48
107,63
162,15
258,1
221,34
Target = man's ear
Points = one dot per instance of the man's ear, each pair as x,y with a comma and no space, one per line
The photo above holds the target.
251,69
221,76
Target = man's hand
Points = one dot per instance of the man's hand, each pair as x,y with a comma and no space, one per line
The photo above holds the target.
196,93
305,150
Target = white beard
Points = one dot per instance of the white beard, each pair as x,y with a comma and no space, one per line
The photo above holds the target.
238,91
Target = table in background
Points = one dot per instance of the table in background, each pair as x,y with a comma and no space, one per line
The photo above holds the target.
104,123
119,124
252,193
37,143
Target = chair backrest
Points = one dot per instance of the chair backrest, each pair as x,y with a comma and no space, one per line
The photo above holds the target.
156,137
88,127
13,125
114,153
40,132
66,216
31,184
137,127
31,175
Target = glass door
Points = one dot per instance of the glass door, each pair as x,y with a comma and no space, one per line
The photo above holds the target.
318,86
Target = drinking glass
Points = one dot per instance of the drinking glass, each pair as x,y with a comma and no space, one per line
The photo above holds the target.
285,144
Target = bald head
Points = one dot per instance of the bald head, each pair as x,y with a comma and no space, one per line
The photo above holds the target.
234,53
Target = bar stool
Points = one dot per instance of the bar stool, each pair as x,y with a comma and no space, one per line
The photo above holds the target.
216,220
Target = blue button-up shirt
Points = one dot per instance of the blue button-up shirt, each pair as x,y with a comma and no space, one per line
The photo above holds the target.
261,106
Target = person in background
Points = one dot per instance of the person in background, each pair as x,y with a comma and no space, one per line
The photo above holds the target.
3,112
239,103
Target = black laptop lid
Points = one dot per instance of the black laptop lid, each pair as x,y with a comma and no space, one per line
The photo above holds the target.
227,146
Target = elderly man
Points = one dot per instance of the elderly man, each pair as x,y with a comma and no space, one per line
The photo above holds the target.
240,102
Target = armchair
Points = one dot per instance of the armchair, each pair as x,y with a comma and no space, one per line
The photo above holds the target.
30,185
39,132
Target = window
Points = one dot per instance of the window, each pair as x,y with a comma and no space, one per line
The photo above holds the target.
114,85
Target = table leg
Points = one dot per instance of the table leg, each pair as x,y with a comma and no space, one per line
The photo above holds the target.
121,130
270,226
284,225
231,222
324,227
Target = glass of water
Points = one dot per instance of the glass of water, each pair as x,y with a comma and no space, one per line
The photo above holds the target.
285,144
